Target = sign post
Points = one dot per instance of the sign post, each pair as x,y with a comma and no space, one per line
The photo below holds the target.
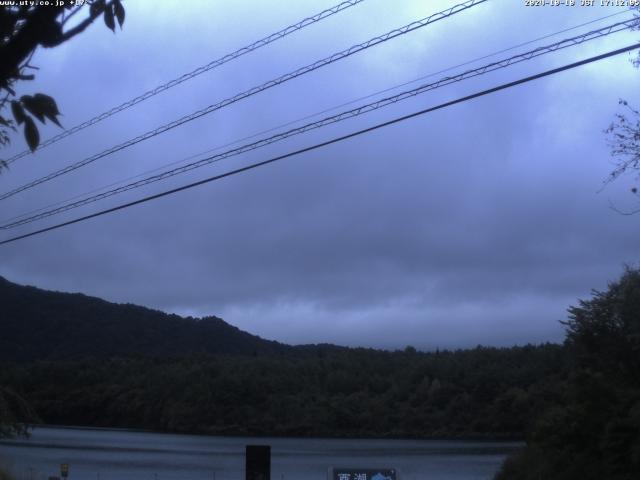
258,462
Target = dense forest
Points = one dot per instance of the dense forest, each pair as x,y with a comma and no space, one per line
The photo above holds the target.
479,392
84,361
577,404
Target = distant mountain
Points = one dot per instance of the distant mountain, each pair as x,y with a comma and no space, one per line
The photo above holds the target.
110,365
42,324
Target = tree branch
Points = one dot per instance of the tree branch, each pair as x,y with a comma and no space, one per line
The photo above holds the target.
38,24
68,17
82,26
40,28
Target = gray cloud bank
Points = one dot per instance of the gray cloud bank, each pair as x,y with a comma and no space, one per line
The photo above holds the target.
476,224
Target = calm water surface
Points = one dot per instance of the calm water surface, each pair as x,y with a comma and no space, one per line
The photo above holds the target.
124,455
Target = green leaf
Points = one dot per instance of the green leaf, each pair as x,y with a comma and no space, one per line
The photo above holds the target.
41,106
31,133
32,107
119,11
48,103
18,111
48,107
109,20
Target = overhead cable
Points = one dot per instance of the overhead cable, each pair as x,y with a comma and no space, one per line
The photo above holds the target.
568,42
307,117
272,83
328,142
192,74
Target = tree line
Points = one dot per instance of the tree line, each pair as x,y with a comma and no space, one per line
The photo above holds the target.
346,393
577,404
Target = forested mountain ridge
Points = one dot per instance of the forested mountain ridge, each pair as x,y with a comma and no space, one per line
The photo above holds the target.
83,361
578,404
42,324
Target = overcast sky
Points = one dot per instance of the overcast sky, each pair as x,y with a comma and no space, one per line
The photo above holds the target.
477,224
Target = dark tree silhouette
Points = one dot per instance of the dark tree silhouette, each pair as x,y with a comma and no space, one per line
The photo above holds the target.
84,361
623,136
593,433
24,28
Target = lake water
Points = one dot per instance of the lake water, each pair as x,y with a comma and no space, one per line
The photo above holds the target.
125,455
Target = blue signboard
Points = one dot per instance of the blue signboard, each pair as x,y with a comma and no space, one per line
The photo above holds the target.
363,474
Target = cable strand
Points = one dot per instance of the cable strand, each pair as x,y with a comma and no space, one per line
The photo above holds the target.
253,91
194,73
328,142
579,39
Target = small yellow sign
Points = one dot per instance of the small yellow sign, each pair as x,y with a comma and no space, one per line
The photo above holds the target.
64,470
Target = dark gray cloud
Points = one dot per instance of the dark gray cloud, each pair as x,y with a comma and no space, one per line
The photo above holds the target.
480,223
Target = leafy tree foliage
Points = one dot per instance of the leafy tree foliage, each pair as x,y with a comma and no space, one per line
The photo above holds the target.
578,404
624,142
482,392
594,431
24,28
82,360
623,136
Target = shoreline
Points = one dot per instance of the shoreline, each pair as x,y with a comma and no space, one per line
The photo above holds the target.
461,438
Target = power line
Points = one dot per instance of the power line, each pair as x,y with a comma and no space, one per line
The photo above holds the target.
448,69
272,83
336,118
568,42
316,114
307,117
330,142
194,73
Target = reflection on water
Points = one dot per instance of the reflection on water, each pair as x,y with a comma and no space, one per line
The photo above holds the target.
124,455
